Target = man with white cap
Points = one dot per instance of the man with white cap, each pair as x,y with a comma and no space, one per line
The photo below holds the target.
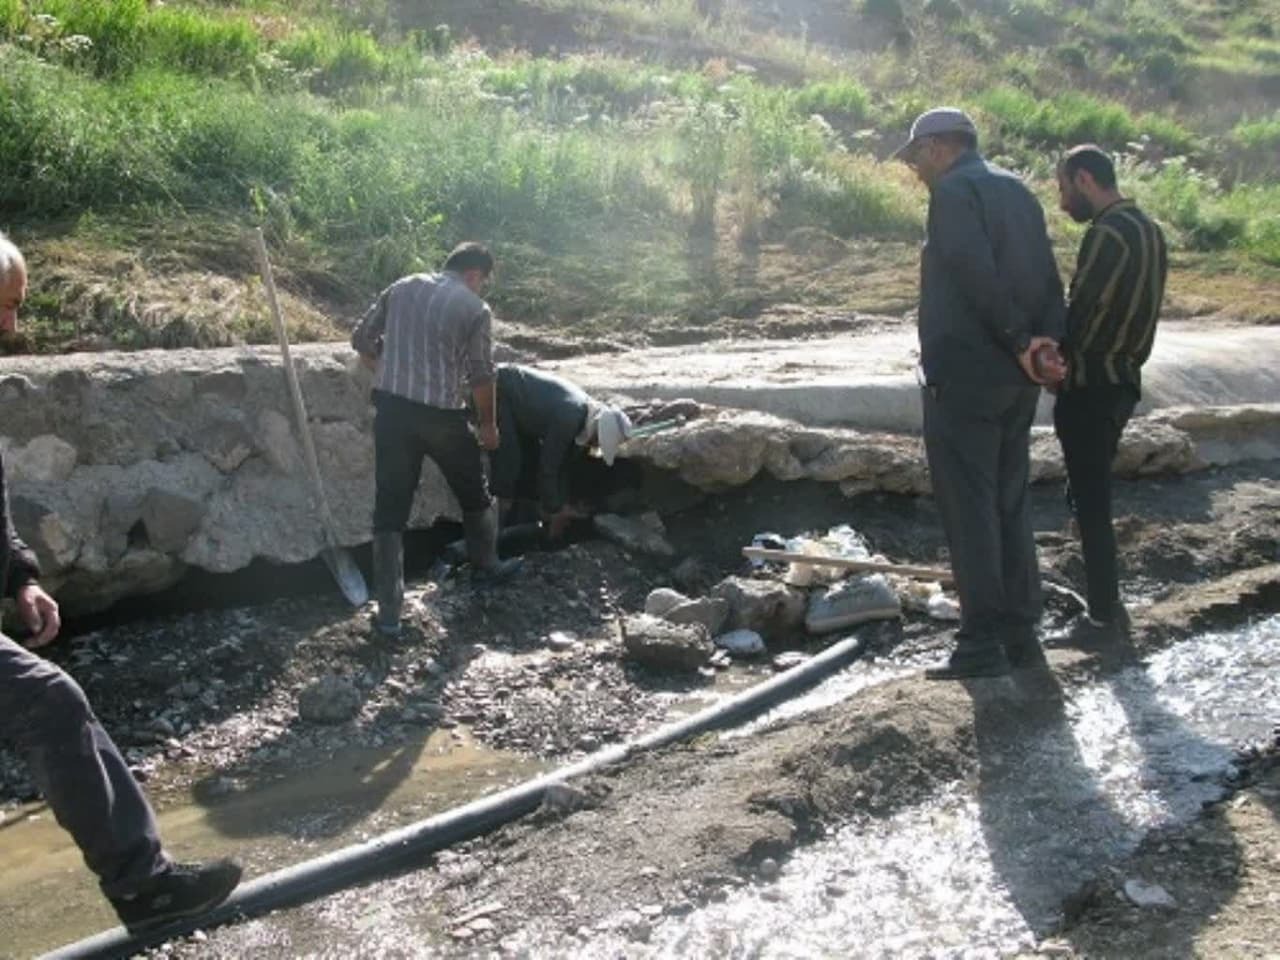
542,420
991,312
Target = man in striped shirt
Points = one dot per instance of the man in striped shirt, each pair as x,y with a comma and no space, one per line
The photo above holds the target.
428,338
1113,307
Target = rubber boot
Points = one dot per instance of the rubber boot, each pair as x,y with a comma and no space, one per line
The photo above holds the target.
388,582
481,530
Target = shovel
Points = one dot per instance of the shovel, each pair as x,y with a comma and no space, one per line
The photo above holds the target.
341,565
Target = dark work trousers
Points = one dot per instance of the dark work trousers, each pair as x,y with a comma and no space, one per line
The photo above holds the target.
44,713
403,433
1089,421
515,463
977,438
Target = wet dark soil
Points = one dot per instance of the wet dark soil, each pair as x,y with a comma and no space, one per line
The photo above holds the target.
211,697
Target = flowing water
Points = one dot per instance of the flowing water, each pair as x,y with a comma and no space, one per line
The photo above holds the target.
979,870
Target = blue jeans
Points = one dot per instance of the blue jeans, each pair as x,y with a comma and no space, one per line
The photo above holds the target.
45,714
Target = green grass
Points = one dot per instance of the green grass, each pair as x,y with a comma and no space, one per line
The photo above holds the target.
1070,118
1204,216
845,97
397,184
372,148
125,34
1258,134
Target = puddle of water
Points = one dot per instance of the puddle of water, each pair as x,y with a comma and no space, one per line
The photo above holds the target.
50,898
981,870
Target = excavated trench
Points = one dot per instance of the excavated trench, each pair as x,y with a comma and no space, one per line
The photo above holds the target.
767,841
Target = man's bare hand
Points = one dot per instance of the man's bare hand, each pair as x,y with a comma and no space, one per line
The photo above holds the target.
39,612
1042,362
369,361
558,523
487,434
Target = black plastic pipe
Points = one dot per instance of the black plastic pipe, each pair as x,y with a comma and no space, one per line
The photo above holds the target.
408,845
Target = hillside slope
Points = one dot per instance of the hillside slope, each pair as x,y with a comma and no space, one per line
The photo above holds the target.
659,171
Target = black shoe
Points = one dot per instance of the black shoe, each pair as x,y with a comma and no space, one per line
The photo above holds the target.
962,665
1022,648
184,890
499,573
1094,635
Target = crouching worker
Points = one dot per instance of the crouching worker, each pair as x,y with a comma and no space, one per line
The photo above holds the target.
79,769
428,338
546,423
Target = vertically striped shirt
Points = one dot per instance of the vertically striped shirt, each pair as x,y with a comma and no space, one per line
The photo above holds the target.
433,336
1115,297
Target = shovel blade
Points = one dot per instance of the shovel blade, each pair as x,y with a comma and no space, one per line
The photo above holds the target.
350,579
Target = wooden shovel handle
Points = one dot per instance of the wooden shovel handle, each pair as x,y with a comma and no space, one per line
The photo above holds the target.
844,563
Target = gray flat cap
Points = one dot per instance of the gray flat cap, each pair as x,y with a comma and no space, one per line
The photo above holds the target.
936,121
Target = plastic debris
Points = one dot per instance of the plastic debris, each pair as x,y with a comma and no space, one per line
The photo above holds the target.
916,594
842,541
768,541
741,643
852,602
943,607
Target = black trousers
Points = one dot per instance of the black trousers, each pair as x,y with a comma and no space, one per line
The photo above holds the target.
403,433
78,768
516,462
1089,422
977,438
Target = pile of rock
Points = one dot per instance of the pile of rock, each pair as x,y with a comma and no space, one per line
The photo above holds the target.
743,616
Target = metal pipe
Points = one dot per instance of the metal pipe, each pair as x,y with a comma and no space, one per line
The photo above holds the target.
408,845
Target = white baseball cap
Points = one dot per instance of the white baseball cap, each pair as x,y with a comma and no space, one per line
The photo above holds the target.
612,428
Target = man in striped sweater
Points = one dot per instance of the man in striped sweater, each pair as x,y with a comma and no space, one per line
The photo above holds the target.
1113,307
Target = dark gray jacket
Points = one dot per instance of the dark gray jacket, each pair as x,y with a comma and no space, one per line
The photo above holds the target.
542,408
17,563
988,279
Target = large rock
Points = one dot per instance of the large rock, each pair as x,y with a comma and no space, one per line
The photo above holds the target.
126,469
659,601
330,699
642,534
773,610
659,645
728,448
711,612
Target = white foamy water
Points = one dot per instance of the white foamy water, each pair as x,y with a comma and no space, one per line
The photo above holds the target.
981,869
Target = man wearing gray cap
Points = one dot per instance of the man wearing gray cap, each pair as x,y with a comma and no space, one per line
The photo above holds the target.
991,311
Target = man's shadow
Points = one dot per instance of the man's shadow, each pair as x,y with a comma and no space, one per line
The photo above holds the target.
315,803
1051,826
